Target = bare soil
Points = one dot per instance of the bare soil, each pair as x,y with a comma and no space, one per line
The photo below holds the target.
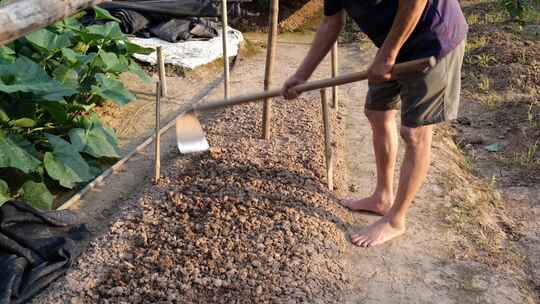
499,133
295,15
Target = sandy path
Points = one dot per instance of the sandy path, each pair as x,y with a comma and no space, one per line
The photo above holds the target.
417,268
262,228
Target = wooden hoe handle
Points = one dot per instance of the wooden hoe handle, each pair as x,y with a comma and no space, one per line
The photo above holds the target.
399,70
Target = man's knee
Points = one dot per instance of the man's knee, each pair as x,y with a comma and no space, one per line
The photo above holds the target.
416,136
380,117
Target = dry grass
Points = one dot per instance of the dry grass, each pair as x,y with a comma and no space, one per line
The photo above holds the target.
477,214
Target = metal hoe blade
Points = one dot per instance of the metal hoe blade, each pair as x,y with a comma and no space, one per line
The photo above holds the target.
190,136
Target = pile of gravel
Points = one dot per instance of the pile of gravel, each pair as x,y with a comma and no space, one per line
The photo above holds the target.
250,221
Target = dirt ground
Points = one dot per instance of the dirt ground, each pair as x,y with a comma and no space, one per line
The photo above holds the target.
251,221
499,133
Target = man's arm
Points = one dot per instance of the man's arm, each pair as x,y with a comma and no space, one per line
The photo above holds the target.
407,17
325,38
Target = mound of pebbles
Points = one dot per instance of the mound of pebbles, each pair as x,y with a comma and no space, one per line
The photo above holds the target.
250,221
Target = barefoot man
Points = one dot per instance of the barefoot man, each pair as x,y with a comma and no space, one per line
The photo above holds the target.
402,30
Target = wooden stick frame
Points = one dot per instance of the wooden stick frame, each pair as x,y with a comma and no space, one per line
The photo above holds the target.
327,141
335,67
226,68
157,150
161,72
270,59
18,18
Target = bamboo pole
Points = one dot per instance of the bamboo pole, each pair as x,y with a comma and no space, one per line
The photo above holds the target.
327,141
157,134
161,70
225,48
270,59
19,18
334,74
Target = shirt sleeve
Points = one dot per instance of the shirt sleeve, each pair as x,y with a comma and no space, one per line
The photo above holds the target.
332,7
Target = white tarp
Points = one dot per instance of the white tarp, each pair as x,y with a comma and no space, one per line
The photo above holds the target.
192,53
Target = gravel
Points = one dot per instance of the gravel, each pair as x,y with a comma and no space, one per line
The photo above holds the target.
248,221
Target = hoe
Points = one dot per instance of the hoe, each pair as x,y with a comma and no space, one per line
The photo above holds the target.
191,137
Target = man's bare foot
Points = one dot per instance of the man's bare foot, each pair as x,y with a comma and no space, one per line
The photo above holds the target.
377,233
375,203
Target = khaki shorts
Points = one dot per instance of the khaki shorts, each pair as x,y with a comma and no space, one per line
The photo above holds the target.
426,99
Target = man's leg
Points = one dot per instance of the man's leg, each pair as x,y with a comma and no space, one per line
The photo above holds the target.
385,145
413,173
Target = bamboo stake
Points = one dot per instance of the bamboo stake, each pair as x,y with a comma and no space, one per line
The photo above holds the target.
161,70
327,141
334,74
18,18
270,59
225,48
158,134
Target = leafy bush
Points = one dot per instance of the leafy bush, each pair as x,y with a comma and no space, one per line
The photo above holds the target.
520,10
50,81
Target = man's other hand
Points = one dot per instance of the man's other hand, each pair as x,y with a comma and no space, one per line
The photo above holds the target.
288,90
380,71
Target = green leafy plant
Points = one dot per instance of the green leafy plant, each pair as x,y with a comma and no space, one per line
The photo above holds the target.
50,80
520,10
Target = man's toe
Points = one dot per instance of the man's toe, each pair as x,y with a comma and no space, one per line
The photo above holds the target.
358,239
366,243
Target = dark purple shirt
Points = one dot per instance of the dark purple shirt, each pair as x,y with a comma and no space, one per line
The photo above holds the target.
440,29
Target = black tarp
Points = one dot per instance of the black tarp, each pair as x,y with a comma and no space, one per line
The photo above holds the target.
170,20
36,248
169,8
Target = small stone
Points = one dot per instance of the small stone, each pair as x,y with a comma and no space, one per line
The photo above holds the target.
479,283
477,139
76,300
218,283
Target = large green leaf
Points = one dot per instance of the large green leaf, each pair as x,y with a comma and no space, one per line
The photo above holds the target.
133,48
75,57
58,110
15,153
136,69
67,76
96,141
24,75
65,164
103,14
37,195
48,40
23,123
113,63
69,24
94,138
5,196
7,55
112,89
94,33
3,116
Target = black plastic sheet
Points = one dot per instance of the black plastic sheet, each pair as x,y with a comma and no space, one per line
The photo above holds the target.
168,8
36,248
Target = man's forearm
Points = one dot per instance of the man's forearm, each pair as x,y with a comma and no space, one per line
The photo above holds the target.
325,38
407,17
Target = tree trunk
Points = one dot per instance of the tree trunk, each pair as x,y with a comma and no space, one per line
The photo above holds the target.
22,17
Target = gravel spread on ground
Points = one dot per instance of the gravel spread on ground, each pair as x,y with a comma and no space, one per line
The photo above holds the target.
249,221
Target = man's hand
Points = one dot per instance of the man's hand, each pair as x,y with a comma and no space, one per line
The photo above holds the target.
380,70
288,90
